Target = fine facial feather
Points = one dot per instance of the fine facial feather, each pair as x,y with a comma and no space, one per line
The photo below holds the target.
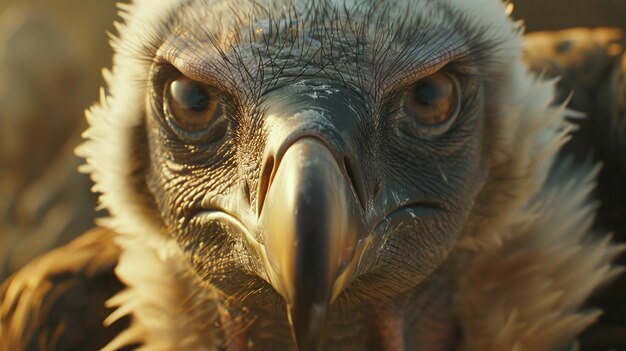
148,25
522,135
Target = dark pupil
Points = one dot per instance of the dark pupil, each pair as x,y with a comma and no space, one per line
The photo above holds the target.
194,97
426,94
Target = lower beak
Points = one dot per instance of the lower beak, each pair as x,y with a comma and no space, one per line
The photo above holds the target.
311,223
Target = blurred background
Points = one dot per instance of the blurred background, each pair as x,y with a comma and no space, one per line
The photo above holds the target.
51,53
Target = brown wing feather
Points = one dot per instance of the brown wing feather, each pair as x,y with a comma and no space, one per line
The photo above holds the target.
57,301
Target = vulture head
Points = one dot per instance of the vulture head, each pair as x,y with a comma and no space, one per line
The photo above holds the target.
312,174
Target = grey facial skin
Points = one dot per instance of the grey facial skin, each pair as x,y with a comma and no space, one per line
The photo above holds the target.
315,201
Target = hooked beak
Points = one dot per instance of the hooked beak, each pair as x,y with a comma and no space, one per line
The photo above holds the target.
311,222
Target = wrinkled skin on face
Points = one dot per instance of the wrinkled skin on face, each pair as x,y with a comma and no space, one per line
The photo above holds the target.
315,179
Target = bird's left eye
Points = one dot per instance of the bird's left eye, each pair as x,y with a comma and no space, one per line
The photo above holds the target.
433,100
191,105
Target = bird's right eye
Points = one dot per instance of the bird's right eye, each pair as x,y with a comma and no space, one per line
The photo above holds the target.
191,105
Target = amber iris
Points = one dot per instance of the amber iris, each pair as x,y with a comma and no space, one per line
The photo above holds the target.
192,105
432,100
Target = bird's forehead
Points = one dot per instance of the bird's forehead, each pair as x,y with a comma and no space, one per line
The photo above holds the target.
286,39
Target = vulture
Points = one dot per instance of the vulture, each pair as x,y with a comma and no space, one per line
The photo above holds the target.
315,175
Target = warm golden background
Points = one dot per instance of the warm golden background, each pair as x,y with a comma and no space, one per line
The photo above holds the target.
51,52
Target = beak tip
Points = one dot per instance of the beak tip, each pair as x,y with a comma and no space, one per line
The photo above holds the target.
307,326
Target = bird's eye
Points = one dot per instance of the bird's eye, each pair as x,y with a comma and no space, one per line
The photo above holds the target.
433,101
192,106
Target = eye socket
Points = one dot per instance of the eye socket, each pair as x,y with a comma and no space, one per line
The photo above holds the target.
190,105
433,101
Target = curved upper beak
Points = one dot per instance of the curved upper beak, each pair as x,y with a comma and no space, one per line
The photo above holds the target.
311,222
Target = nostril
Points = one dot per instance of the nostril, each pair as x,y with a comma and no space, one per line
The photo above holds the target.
246,191
377,189
265,182
354,177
